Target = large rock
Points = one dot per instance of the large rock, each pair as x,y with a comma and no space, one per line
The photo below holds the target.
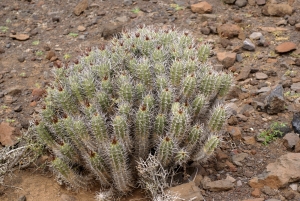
285,47
274,103
219,185
187,191
228,30
226,58
279,174
279,10
202,7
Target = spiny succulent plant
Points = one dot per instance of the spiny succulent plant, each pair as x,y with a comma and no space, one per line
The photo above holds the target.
150,92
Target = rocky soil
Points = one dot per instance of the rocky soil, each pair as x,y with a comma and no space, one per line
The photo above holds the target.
257,40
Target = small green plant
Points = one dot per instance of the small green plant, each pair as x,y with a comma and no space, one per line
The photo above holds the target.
74,35
67,56
136,10
39,53
36,42
3,29
4,107
291,94
290,73
8,21
177,7
23,74
272,133
10,120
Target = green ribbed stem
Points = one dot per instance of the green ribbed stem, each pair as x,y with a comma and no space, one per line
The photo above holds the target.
160,126
165,100
121,174
166,151
142,132
189,86
194,137
98,127
217,118
121,131
176,73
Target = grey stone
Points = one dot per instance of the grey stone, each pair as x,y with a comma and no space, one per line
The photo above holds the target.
260,2
296,122
248,45
239,157
127,2
274,103
255,35
241,3
239,57
281,22
290,140
22,198
263,90
269,191
229,1
122,19
261,76
219,185
296,87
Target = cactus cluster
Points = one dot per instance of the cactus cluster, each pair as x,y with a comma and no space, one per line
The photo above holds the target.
149,92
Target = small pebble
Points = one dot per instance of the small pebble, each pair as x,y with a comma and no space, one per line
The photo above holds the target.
21,59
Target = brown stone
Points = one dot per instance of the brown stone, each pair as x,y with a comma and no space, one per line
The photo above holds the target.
38,93
297,147
279,10
187,191
255,199
7,137
297,27
235,132
202,7
285,47
244,74
256,193
50,54
216,186
232,167
81,6
226,58
33,104
228,30
20,37
221,155
249,140
278,174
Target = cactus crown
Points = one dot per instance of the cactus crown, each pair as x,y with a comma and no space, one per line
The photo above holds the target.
148,92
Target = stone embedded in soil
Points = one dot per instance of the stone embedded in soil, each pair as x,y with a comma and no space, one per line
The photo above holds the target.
38,93
22,198
248,45
269,191
274,102
263,90
244,74
261,76
187,191
201,8
235,133
229,1
294,187
297,26
255,35
296,122
80,7
249,140
122,19
7,137
278,10
241,3
255,199
297,147
205,30
216,186
81,28
239,157
20,37
21,58
127,2
50,54
228,30
260,2
256,192
226,58
278,174
65,197
296,87
290,140
285,47
2,50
